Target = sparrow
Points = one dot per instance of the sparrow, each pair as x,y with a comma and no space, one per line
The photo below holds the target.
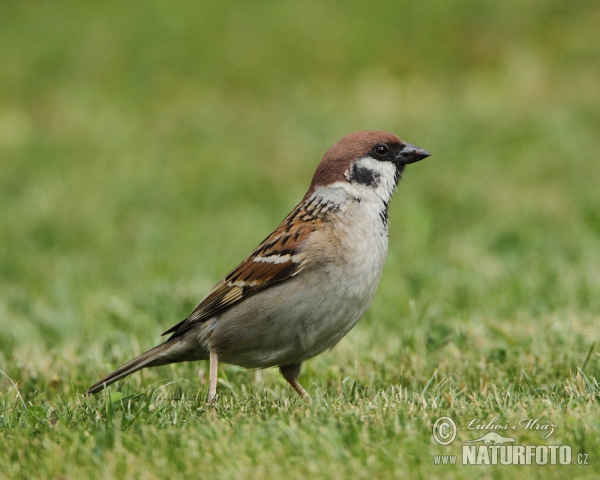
309,282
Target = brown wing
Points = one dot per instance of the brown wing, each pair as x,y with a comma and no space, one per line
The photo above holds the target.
277,258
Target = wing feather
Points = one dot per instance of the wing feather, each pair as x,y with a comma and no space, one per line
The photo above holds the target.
278,258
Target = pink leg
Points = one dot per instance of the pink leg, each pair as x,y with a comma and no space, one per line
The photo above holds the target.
291,374
212,379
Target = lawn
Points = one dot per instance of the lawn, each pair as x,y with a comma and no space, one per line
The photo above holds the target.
146,148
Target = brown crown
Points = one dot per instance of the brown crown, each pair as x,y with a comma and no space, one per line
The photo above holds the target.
338,158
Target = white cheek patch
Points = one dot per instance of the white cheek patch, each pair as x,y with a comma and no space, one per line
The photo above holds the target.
363,175
380,176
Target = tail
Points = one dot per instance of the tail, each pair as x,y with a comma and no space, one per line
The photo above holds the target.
154,357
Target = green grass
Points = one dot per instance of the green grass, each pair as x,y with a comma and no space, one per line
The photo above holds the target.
146,149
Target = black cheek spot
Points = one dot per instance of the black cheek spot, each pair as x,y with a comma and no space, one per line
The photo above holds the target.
364,176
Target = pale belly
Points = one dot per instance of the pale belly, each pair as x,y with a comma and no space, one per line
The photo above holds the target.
308,314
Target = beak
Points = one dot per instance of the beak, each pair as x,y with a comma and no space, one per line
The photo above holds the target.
411,154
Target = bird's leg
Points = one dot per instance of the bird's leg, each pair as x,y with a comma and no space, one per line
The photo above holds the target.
212,378
291,374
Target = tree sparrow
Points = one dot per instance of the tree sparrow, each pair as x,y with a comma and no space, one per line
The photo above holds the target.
309,282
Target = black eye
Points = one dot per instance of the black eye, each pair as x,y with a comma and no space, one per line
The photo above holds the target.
382,149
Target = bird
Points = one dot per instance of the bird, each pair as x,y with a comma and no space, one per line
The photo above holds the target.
308,283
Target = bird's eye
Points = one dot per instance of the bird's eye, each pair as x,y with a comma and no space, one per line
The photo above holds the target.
382,149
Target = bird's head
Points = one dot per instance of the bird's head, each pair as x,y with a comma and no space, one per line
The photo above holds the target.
370,159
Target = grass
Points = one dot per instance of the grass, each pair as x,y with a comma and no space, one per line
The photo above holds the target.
137,142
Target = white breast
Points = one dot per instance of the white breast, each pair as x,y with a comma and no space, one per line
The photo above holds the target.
357,257
309,313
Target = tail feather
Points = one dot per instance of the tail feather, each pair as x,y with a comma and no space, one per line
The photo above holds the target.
152,358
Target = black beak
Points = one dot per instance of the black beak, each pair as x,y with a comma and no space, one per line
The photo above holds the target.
411,154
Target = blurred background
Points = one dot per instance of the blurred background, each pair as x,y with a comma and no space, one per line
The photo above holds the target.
147,147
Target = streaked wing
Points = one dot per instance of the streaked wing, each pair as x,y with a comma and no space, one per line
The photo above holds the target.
277,258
